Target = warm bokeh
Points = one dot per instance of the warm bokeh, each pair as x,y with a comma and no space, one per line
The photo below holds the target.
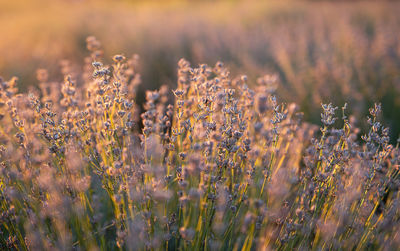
322,51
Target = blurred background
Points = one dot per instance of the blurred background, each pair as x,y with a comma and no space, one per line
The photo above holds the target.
322,51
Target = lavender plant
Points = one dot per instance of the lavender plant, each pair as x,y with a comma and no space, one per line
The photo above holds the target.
210,165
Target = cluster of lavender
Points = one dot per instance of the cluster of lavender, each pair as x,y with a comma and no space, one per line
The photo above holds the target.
222,167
